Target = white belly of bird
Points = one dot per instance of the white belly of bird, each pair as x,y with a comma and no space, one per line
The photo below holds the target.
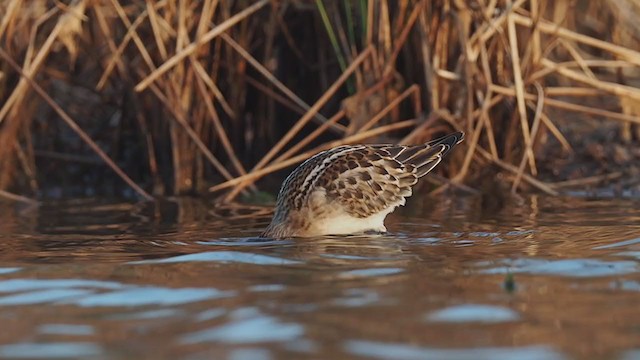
341,223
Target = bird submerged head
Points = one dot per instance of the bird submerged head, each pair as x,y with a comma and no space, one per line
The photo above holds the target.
283,225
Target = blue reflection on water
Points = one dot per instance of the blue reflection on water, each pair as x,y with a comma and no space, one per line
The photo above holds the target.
474,313
66,329
261,329
14,285
150,314
210,314
266,288
633,254
250,354
409,352
372,272
8,270
90,293
224,257
626,285
568,267
357,298
246,242
248,325
50,350
43,296
631,355
618,244
150,296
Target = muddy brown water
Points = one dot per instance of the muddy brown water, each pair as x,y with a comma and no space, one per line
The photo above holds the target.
541,278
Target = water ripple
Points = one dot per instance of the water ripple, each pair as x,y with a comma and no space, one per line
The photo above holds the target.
90,293
66,329
150,296
474,313
223,257
618,244
260,328
8,270
372,272
568,267
408,352
58,350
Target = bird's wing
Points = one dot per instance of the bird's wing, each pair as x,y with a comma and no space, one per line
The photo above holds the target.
364,179
369,179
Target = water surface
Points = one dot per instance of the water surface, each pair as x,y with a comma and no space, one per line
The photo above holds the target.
540,278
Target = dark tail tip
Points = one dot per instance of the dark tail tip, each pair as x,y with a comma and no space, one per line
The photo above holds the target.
451,140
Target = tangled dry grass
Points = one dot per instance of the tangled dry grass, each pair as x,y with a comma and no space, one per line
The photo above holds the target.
189,96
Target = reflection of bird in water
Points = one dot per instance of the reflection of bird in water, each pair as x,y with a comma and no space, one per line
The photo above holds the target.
351,189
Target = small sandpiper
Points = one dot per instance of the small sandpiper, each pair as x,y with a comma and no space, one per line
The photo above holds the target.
350,189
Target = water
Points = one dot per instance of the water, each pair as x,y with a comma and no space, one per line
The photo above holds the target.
542,278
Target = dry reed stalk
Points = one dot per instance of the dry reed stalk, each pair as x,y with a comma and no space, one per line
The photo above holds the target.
613,88
463,22
490,28
30,69
18,198
74,126
572,91
425,51
570,106
275,96
575,54
487,100
629,55
412,90
613,65
116,56
202,73
536,42
552,128
134,34
255,175
444,183
203,81
471,149
158,187
12,8
27,163
402,38
589,180
424,128
277,83
312,136
183,157
540,185
192,47
475,137
107,33
306,118
183,122
534,132
69,157
519,87
220,131
157,29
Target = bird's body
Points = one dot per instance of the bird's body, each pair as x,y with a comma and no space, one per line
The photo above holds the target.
351,189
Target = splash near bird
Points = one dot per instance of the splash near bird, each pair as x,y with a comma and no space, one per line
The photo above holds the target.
351,189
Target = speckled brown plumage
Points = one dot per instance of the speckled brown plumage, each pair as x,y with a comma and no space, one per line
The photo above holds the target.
352,188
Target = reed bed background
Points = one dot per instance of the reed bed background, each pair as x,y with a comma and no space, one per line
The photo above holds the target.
114,97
